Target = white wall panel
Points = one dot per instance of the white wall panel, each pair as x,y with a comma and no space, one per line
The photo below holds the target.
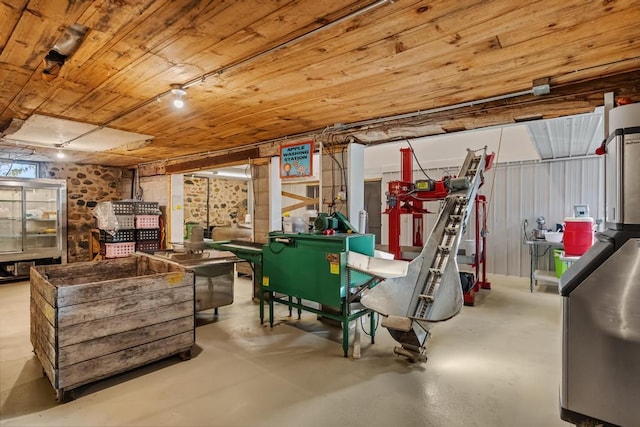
525,191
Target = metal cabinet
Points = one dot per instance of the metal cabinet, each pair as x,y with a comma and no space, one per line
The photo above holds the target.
33,222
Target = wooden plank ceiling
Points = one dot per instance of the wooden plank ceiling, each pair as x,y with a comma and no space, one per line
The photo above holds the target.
245,88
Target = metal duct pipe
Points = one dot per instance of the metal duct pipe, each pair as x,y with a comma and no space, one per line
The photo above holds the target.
64,48
71,40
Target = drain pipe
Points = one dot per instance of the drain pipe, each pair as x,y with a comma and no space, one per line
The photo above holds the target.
208,233
432,110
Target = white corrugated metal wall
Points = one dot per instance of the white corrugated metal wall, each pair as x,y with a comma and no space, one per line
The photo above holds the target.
526,190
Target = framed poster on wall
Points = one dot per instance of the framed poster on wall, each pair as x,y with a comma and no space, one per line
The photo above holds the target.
296,160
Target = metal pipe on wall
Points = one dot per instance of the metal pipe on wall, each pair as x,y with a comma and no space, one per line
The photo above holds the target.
209,234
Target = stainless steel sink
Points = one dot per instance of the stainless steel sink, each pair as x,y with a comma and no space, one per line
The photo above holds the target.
214,275
192,259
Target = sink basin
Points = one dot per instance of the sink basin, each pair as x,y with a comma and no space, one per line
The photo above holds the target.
192,259
180,256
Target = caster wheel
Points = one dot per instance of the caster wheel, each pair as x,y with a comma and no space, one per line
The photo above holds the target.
64,396
185,355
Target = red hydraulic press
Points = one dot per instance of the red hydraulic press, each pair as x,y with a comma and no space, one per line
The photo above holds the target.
407,196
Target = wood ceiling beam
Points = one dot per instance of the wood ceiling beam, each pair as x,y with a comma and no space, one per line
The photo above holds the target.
564,100
212,161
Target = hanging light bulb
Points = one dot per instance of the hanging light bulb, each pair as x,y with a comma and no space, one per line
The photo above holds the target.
60,154
178,93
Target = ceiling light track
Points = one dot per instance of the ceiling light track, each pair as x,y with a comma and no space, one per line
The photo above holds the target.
242,62
202,78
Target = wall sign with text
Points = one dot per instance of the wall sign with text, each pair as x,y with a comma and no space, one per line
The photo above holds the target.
296,160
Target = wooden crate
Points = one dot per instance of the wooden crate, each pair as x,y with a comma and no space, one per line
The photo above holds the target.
85,328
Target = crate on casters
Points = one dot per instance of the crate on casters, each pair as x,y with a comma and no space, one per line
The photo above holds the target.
108,317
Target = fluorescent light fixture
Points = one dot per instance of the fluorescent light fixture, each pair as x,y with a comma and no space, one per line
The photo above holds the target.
226,174
51,132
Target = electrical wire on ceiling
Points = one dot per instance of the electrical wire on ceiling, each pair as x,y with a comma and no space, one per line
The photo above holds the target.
202,78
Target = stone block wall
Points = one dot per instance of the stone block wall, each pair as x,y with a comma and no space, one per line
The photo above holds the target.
85,184
228,199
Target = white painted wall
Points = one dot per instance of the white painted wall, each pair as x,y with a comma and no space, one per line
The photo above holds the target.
155,189
175,209
275,195
355,183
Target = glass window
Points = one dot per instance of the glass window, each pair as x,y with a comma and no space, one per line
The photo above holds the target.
18,169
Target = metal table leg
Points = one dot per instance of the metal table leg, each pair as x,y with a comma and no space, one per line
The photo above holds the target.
533,250
270,294
372,327
345,327
261,301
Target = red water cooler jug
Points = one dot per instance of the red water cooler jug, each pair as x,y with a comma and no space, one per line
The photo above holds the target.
578,235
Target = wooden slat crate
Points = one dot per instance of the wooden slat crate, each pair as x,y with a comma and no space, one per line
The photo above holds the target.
85,328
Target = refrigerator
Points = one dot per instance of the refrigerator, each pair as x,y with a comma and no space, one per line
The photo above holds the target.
33,223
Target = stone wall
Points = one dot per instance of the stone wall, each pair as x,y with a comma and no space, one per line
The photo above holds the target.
85,184
227,200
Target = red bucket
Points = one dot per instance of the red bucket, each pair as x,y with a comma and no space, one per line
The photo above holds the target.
578,235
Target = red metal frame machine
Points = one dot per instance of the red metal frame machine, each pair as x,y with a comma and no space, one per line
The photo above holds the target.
407,196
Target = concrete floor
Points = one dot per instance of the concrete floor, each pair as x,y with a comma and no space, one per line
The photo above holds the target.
495,364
